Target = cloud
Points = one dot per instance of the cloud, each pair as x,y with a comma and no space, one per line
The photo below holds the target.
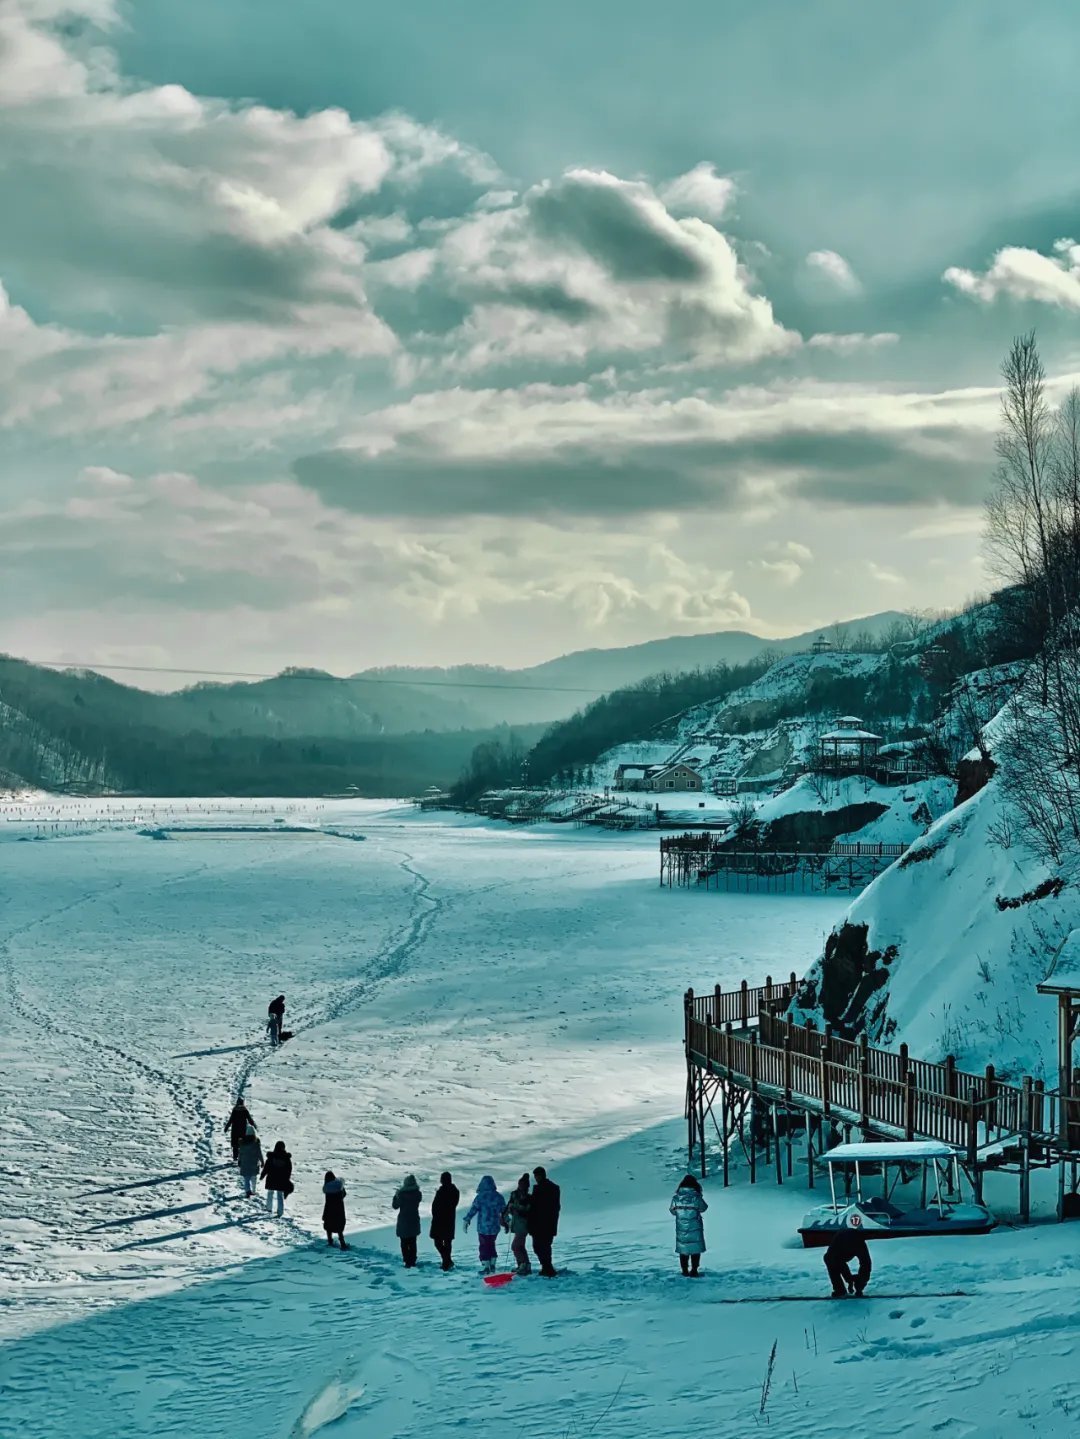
849,344
883,574
121,543
834,270
147,204
589,265
1022,274
701,191
787,560
570,450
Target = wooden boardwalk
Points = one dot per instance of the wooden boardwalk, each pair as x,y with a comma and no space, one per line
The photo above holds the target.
745,1056
703,859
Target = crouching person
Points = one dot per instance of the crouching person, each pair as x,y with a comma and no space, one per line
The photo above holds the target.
848,1245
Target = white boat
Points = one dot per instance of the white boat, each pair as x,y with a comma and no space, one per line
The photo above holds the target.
875,1216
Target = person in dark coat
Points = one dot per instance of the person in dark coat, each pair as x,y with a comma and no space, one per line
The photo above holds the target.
444,1219
407,1203
277,1172
688,1205
275,1019
846,1246
237,1125
516,1222
544,1219
333,1214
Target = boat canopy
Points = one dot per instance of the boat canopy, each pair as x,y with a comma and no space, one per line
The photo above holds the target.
888,1153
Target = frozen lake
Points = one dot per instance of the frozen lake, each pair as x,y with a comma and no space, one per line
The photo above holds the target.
466,997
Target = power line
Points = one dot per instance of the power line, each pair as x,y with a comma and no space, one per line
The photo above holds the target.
197,673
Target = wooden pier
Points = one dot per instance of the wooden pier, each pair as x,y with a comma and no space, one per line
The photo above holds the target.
763,1081
702,859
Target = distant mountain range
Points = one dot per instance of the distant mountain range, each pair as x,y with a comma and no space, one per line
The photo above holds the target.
555,689
306,731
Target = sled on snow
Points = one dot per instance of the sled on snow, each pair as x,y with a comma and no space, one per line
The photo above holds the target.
877,1216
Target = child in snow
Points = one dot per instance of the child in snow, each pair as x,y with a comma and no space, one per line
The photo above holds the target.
273,1028
516,1221
847,1245
487,1209
277,1171
407,1203
333,1214
688,1205
444,1219
249,1157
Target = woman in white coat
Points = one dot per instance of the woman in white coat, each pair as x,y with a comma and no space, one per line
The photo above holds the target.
688,1205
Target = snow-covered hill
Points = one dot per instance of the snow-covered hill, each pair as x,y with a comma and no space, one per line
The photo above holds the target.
944,950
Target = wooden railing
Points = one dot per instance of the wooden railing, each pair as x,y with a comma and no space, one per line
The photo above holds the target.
852,1078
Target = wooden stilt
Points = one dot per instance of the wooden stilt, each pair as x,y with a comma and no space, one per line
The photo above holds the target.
809,1151
724,1129
776,1145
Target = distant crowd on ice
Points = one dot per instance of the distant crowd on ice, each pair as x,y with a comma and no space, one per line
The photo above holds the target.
530,1213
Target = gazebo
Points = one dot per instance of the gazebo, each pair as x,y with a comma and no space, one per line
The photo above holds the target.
1063,981
821,646
848,748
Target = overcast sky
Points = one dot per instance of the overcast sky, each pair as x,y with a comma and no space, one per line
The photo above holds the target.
343,335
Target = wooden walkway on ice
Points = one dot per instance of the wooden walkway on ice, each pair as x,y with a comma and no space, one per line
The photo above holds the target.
743,1050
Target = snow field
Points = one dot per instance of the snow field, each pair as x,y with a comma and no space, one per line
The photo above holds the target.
464,996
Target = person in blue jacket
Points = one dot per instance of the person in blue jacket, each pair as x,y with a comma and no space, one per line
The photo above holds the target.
487,1209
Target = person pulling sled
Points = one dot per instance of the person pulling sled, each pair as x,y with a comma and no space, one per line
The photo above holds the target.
487,1209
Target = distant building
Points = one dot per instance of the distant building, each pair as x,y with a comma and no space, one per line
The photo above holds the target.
658,778
632,776
674,777
821,646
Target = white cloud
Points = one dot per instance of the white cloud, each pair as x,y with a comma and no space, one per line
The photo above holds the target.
1023,274
787,560
850,344
883,574
701,191
827,265
591,264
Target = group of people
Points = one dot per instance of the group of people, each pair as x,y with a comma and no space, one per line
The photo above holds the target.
531,1212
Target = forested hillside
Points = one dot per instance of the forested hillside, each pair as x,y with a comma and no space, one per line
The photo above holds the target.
78,730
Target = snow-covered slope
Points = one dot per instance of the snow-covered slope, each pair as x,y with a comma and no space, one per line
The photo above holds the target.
944,950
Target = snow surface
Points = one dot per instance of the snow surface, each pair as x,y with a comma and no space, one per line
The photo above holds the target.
465,995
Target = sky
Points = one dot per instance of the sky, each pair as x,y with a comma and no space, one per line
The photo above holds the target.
342,335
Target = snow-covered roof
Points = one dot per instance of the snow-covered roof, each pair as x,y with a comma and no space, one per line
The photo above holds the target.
889,1153
850,734
1065,971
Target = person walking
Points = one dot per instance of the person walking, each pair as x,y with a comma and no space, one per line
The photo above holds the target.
236,1126
250,1159
544,1209
688,1205
407,1203
846,1246
444,1219
333,1214
277,1171
275,1019
516,1222
487,1209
